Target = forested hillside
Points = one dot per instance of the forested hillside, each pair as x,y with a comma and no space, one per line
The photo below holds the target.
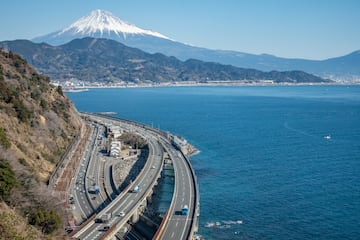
37,124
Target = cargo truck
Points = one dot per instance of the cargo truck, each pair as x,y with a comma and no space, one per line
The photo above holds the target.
104,218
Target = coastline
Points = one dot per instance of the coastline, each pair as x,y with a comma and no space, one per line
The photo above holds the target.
190,150
206,84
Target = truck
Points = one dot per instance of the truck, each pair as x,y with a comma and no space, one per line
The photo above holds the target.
185,210
94,189
104,218
136,189
97,189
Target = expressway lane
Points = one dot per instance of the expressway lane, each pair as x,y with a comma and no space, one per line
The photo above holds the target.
88,176
79,191
93,174
175,225
178,226
128,202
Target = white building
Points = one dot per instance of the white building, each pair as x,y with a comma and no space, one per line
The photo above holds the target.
116,131
180,142
115,148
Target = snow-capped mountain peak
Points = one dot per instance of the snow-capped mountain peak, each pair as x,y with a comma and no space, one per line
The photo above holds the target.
103,23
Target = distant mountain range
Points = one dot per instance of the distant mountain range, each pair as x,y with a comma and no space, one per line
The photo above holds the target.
108,61
102,24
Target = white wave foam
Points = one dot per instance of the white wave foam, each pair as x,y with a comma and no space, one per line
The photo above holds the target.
223,224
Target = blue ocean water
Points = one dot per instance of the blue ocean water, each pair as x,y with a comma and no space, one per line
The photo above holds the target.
266,170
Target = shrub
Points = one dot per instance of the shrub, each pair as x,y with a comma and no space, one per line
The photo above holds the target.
23,113
23,162
43,104
59,90
4,141
7,179
35,94
49,221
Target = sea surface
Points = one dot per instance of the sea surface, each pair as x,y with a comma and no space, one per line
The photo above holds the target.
278,162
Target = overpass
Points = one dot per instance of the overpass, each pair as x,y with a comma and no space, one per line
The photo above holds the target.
128,205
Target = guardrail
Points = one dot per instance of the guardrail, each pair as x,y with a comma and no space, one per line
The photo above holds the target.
61,164
83,227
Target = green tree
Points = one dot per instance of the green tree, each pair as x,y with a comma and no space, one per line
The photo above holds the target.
59,90
23,113
7,179
49,221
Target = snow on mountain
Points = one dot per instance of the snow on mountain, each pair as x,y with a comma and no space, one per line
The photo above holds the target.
105,22
99,24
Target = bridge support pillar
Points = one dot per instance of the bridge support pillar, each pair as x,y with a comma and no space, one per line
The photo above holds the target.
135,216
149,197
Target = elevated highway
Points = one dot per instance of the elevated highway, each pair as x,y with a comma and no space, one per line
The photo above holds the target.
178,226
128,205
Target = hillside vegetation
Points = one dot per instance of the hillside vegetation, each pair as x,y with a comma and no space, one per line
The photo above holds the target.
37,124
108,61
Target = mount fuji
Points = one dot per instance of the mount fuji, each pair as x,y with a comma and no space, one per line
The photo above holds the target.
103,24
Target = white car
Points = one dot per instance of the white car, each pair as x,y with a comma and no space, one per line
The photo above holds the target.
121,214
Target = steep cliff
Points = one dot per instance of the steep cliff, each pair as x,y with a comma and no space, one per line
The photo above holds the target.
37,123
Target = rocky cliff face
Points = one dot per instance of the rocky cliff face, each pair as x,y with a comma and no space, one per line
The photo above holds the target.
37,124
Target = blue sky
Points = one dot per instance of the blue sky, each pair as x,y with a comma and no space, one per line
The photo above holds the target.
313,29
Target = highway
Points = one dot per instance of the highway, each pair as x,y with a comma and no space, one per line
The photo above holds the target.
79,192
174,225
94,172
128,201
179,226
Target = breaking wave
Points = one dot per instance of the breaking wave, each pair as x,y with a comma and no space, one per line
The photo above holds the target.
223,224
